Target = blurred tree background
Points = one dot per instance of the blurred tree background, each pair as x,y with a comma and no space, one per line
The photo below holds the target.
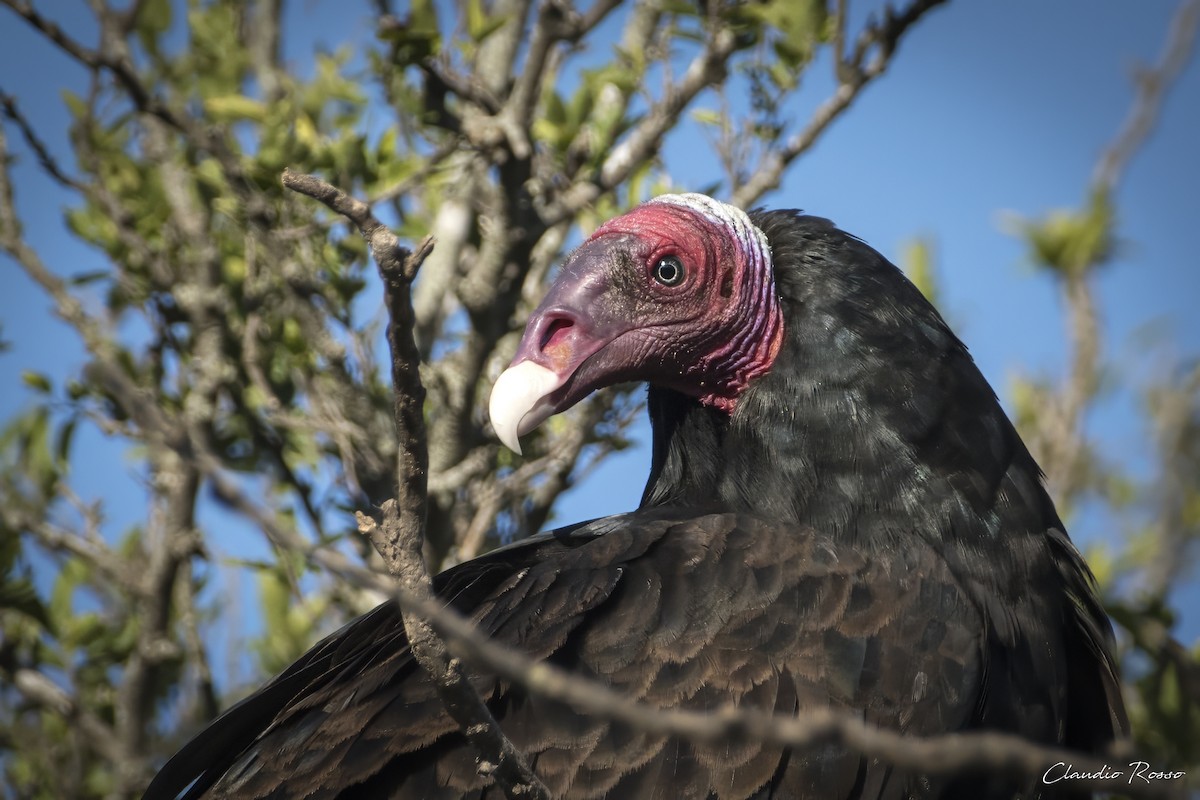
232,332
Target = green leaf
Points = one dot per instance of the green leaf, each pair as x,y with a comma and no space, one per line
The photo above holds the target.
581,105
73,573
637,183
417,37
423,17
480,24
386,148
75,104
917,259
92,225
153,19
784,77
555,110
62,444
1071,242
89,277
681,8
233,269
1102,563
19,595
37,381
306,132
233,107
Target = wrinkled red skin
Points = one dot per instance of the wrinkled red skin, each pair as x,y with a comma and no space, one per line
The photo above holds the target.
607,320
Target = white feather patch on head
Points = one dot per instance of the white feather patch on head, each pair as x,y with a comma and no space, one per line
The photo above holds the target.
753,241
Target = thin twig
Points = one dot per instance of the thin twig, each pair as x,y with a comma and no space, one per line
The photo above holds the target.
706,69
1151,87
9,105
1063,443
39,689
121,70
399,535
854,75
124,72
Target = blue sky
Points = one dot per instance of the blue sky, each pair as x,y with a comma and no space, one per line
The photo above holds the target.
988,108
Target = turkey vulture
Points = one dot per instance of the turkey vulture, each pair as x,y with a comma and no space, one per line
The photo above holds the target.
838,514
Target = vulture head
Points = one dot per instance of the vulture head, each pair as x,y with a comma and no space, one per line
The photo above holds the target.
679,292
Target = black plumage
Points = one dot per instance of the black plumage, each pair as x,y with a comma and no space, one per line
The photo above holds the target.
863,529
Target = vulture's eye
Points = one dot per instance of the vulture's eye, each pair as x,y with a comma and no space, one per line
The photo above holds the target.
669,271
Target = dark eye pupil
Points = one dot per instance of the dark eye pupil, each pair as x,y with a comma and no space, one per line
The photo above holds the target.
668,271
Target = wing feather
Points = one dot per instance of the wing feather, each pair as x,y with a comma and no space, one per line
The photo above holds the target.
700,613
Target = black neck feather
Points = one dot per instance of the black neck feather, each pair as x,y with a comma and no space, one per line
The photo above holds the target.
873,421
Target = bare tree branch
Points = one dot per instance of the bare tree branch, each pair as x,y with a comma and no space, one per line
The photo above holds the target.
398,538
854,75
557,21
55,539
8,104
123,70
1152,85
1175,411
706,68
41,690
1061,441
497,56
11,240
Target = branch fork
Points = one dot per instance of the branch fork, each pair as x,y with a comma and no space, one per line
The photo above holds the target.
398,531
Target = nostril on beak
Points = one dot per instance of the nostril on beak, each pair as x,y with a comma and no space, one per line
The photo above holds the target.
555,329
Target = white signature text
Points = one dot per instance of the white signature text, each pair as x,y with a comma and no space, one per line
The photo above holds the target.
1136,771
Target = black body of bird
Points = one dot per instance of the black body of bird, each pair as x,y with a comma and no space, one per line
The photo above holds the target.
838,514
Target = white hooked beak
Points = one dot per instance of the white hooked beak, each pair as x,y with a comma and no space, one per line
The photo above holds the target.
518,402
